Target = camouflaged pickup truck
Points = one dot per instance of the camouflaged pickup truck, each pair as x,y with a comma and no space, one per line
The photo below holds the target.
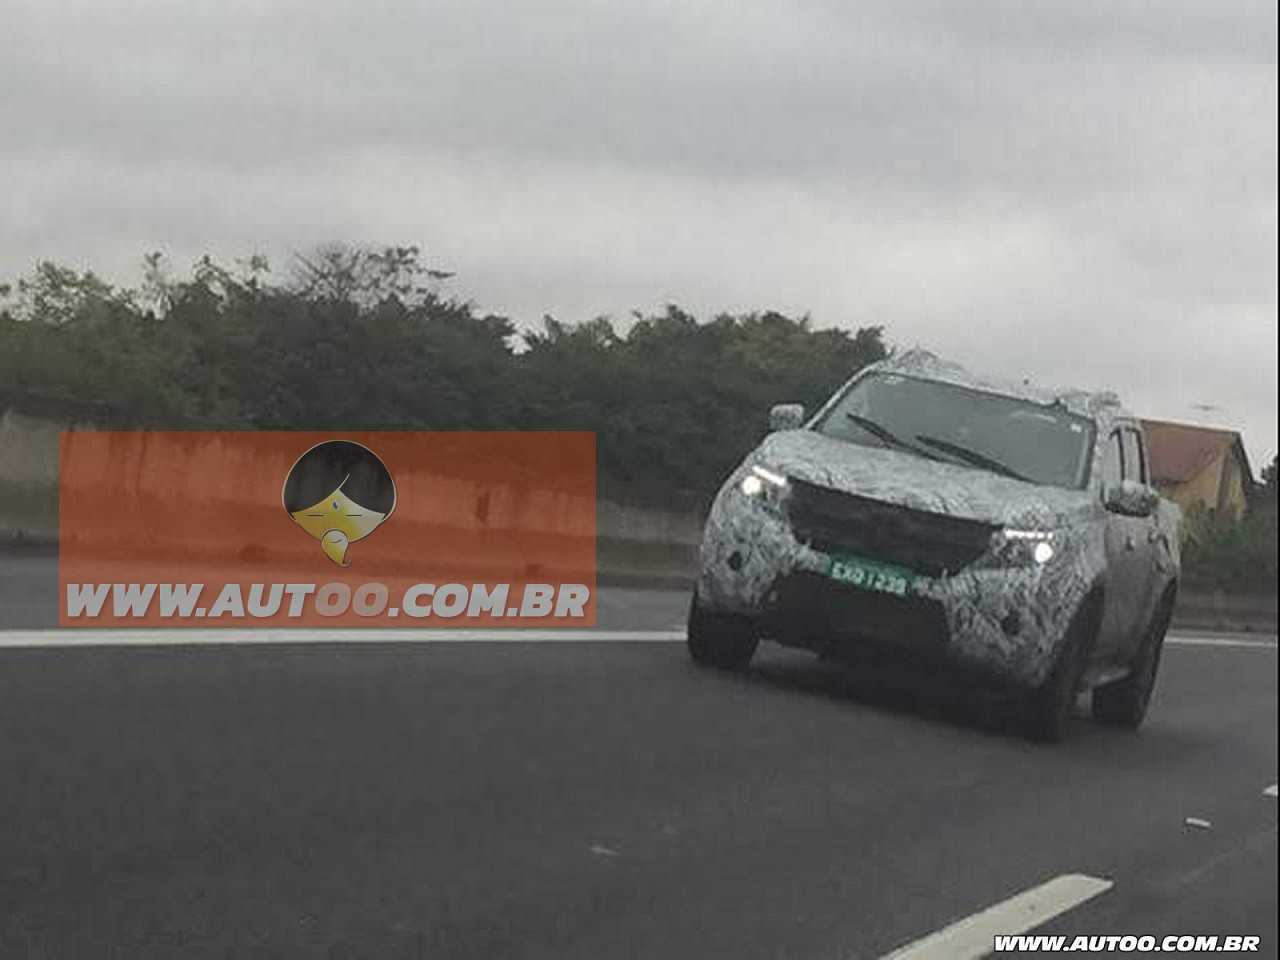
943,519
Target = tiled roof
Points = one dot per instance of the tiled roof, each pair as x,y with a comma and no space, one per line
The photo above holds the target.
1178,451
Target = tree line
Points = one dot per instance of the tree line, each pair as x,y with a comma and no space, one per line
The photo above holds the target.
370,339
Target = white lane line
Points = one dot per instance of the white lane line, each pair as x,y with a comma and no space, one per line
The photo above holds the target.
974,935
1270,791
181,636
161,637
1221,642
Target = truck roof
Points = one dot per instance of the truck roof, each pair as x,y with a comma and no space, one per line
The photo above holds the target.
1097,405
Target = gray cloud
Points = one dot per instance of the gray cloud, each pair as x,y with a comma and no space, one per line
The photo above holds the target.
1001,180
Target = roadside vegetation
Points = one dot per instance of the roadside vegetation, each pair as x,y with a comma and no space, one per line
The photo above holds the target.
1235,554
371,339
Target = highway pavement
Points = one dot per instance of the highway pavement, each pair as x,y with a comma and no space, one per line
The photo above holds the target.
597,799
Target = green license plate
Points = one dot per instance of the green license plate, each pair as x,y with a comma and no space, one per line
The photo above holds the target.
871,575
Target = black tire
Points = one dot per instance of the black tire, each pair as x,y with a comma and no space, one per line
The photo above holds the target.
1124,702
1051,706
724,641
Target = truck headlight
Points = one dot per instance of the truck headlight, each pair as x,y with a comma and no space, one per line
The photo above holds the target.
1024,547
760,482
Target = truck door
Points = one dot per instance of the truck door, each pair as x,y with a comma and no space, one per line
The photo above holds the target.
1146,533
1127,561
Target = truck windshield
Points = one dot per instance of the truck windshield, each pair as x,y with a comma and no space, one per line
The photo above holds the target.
1015,438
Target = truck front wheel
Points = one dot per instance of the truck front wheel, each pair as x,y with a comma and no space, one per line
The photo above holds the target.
1050,706
726,641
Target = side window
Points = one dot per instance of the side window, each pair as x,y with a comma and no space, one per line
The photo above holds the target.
1112,469
1134,467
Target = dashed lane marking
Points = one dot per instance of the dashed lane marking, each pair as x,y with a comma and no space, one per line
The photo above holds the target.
974,935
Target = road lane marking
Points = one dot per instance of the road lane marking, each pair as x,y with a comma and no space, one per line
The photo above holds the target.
160,637
974,935
1192,641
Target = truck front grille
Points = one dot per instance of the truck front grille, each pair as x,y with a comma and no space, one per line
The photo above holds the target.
843,523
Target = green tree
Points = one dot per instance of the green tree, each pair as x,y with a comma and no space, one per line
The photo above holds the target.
365,338
1267,488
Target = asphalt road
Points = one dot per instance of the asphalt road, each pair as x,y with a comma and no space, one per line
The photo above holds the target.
595,800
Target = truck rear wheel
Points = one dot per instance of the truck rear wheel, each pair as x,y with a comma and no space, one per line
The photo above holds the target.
1124,702
725,641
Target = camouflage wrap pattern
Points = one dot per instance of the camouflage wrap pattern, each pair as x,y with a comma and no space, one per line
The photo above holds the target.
975,599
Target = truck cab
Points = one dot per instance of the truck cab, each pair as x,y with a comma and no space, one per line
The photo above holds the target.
945,518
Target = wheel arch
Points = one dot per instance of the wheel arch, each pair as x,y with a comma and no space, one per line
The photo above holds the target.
1086,619
1168,600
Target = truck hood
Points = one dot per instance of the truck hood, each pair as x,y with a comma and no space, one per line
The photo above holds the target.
920,483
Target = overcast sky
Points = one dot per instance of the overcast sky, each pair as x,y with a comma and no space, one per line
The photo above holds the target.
1082,192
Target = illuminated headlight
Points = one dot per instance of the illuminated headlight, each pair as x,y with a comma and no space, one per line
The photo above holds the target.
1023,547
760,481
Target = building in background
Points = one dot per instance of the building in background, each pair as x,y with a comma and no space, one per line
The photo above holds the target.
1199,468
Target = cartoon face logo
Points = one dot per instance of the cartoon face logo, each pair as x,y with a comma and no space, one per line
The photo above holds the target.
339,492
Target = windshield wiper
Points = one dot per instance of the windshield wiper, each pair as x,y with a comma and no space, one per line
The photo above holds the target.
972,457
886,435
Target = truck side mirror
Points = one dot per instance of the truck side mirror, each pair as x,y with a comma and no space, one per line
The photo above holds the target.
1131,499
786,416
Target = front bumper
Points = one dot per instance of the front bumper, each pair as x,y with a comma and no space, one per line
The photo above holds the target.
1002,621
813,611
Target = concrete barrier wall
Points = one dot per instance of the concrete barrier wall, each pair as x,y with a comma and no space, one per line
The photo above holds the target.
29,470
637,544
29,491
648,525
29,449
1215,610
